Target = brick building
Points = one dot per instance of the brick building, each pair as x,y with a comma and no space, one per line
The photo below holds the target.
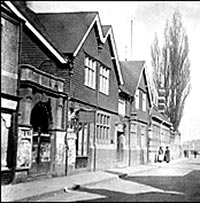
159,133
41,110
67,54
138,100
92,85
10,58
160,129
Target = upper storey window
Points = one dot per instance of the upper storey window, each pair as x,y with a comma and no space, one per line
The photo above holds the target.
90,72
137,99
104,80
144,101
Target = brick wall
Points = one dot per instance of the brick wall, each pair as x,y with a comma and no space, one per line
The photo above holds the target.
33,52
9,55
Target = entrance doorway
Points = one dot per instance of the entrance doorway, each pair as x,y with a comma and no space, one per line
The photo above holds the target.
41,148
120,146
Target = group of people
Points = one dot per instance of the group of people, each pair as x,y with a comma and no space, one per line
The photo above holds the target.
164,155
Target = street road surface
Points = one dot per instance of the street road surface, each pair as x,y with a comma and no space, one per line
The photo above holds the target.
166,183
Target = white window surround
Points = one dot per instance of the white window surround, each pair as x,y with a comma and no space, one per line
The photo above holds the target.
144,101
104,80
121,107
137,99
103,128
90,72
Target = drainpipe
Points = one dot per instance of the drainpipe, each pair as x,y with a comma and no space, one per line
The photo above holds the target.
148,131
129,133
71,72
95,120
17,92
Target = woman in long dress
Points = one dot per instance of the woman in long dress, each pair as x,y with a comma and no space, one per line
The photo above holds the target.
160,155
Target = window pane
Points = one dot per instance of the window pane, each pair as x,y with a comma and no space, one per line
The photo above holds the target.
85,140
86,61
86,76
137,99
92,78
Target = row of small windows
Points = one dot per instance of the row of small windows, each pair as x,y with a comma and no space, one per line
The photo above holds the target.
103,128
90,75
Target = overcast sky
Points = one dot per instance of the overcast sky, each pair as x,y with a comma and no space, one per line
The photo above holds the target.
148,18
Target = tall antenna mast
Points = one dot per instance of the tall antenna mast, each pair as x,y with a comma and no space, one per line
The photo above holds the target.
131,39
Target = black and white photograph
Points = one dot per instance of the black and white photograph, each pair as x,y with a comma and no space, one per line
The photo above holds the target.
100,101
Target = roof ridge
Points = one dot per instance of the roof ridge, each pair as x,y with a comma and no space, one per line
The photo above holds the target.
70,12
132,61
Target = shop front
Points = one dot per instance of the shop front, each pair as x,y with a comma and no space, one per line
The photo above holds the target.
41,123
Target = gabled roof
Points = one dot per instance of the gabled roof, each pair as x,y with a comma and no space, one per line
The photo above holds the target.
34,25
68,32
106,29
65,33
132,71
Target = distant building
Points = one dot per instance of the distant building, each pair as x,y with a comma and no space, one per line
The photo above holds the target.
192,145
138,100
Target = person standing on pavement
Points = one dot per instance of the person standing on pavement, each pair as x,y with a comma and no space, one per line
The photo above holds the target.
167,155
160,154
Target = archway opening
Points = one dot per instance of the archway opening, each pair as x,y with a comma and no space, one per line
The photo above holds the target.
40,117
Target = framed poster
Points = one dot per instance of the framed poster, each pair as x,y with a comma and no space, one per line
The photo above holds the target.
5,126
24,148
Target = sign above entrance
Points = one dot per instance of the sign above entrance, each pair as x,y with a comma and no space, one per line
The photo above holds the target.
86,116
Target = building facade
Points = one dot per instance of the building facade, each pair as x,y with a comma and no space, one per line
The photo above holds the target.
41,114
10,58
68,114
138,106
70,105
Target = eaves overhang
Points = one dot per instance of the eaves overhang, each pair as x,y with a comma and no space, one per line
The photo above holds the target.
31,27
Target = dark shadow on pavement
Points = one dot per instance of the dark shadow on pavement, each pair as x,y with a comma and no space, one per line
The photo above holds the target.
189,185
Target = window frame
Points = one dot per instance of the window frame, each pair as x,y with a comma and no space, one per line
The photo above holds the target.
103,128
122,104
137,99
104,73
144,102
90,66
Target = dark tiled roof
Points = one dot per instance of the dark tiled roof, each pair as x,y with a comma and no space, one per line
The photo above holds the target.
31,16
131,71
67,29
158,115
63,30
105,29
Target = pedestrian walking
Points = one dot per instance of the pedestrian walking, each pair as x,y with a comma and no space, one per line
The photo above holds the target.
167,155
185,153
195,154
160,154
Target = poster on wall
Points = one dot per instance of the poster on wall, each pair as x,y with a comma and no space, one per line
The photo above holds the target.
5,126
60,147
45,152
24,148
71,139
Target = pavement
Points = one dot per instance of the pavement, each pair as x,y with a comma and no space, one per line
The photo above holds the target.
20,191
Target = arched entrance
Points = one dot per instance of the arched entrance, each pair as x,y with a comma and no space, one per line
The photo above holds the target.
41,119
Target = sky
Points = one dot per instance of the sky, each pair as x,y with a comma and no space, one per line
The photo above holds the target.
148,18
